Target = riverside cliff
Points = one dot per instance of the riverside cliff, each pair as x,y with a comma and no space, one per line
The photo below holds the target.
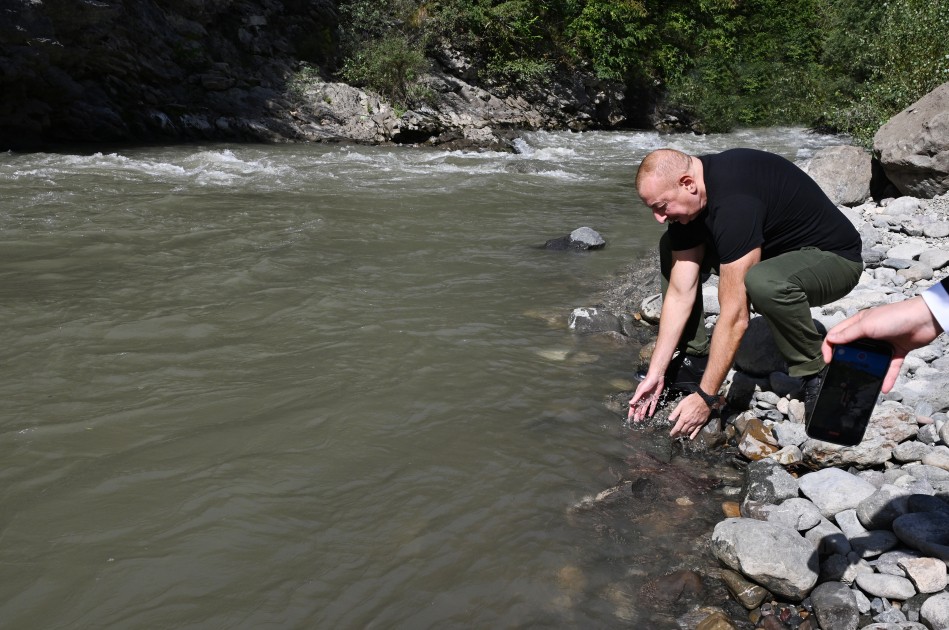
126,71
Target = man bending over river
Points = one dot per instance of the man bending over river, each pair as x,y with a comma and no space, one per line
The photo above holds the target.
777,243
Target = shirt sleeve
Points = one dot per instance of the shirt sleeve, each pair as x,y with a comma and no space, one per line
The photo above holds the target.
937,299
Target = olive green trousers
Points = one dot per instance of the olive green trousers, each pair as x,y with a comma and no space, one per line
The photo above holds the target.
781,289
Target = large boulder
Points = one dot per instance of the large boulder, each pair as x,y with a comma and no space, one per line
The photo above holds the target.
776,557
842,172
913,146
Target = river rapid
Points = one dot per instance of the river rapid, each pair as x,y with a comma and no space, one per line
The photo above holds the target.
302,386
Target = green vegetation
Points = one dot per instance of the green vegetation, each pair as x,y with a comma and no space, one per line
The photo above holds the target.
845,65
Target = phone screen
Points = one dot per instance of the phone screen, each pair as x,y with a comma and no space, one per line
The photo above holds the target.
849,392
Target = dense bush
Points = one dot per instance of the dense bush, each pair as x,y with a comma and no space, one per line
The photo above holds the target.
846,65
899,56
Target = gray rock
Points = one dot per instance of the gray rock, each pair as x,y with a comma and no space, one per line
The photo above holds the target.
878,510
796,411
842,172
710,301
833,490
888,586
587,238
863,602
898,263
581,239
795,513
828,539
767,483
909,251
651,308
928,575
876,477
835,606
938,457
888,563
940,229
789,433
916,272
926,531
935,258
788,455
843,568
901,207
932,389
849,524
589,320
944,433
769,399
935,611
891,617
910,451
776,557
929,473
927,434
873,543
748,594
915,486
888,427
913,146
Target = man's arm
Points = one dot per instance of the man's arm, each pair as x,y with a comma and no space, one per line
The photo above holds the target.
691,414
677,304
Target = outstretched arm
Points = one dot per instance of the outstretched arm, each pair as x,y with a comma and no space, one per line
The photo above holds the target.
691,414
676,306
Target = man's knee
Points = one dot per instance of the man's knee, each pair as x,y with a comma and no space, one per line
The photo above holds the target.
762,289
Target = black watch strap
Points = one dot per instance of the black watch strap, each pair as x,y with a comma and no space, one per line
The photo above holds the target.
710,400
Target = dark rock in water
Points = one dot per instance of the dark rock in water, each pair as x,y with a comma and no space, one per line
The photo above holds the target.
644,489
749,594
593,320
580,239
680,586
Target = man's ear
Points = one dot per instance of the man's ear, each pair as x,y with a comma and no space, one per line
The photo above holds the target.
688,182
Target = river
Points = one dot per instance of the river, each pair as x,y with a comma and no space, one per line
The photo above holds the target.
299,386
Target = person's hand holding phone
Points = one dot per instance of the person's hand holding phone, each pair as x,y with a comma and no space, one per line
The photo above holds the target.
905,325
849,391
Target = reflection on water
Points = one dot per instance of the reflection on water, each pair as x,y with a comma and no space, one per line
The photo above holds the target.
301,386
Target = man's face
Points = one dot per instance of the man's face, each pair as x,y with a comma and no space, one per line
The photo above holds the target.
675,202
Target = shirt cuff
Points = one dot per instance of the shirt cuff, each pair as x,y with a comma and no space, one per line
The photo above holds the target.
937,299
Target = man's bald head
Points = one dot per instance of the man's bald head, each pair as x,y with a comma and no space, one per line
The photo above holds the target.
665,164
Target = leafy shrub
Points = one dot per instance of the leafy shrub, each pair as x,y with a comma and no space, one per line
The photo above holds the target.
390,66
908,56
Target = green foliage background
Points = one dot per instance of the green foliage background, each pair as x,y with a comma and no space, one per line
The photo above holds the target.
842,65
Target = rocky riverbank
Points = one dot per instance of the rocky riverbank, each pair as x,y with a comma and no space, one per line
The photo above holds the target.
818,535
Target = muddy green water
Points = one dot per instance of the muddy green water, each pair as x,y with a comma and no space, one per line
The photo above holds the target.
320,386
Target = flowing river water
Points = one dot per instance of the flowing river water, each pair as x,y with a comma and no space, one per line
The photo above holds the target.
324,387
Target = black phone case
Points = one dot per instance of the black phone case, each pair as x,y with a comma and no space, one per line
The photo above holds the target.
821,426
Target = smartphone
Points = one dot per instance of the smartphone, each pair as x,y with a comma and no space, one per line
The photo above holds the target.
849,392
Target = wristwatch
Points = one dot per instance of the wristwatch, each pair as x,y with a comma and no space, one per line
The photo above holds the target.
711,401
